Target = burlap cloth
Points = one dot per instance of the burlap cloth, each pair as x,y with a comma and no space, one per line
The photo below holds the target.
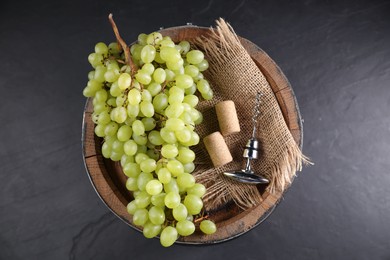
234,76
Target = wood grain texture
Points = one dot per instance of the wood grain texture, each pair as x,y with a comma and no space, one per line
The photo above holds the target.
109,180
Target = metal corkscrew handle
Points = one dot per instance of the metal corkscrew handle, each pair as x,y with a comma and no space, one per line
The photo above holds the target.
250,152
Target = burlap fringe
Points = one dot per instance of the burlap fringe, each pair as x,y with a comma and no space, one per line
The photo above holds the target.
220,47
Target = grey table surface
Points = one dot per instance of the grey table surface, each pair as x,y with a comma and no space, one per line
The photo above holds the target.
336,55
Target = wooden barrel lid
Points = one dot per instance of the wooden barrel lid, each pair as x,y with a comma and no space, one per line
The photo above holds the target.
109,181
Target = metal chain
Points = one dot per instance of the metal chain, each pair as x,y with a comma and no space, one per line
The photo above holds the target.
256,113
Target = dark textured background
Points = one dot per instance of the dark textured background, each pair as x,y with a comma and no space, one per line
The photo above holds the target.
336,55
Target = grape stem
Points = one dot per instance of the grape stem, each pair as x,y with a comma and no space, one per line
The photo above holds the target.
124,46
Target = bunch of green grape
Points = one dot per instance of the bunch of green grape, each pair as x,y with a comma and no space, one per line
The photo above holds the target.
147,118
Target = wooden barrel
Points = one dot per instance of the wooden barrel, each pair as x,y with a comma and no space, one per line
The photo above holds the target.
109,181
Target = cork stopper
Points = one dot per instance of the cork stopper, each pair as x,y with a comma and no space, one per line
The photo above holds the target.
217,149
227,117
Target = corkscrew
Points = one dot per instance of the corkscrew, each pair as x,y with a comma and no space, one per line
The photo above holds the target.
247,175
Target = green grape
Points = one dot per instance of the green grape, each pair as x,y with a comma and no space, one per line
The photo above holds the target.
171,186
104,118
117,146
176,98
185,155
154,88
124,133
140,217
111,75
174,110
183,136
158,59
132,110
167,43
158,200
203,86
143,179
208,95
130,147
140,157
125,159
124,81
134,97
180,212
154,187
111,102
142,149
135,51
191,70
95,59
111,129
194,57
148,53
168,135
115,156
170,75
99,130
121,115
143,77
148,166
185,227
198,190
189,167
191,90
132,169
174,124
193,203
131,207
101,48
172,200
142,199
156,215
175,65
148,68
208,227
138,127
187,119
155,138
153,154
168,236
91,74
185,46
159,75
203,65
160,102
192,100
149,123
164,175
140,140
142,38
175,167
169,54
194,139
99,73
115,90
169,151
147,108
185,181
154,38
146,96
101,95
114,48
131,184
151,230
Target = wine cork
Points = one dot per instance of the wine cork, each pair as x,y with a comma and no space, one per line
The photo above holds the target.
227,117
217,149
